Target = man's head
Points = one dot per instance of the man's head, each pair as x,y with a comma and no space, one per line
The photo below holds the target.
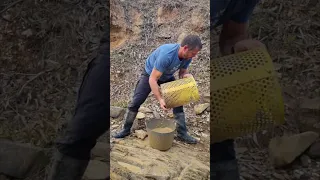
190,46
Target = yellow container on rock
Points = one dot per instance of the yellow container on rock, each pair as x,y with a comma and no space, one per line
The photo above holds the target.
245,95
180,92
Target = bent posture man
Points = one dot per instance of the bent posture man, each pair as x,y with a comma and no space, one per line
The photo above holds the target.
233,15
159,68
90,121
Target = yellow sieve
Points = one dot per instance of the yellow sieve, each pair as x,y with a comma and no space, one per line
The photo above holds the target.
180,92
245,95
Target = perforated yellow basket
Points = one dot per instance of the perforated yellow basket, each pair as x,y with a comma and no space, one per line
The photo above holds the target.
180,92
245,95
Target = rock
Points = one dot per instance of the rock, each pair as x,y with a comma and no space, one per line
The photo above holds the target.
311,104
20,160
171,115
298,174
97,170
200,108
8,18
305,160
27,33
141,134
284,150
208,108
101,150
314,150
140,115
145,110
156,115
114,126
115,112
206,97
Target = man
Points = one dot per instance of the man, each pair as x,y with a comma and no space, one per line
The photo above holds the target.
233,15
90,120
159,68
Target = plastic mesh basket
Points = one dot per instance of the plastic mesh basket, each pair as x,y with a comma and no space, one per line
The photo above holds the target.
179,92
245,95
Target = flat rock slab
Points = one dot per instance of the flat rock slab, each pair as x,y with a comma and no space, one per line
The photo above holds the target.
18,160
102,150
97,170
134,159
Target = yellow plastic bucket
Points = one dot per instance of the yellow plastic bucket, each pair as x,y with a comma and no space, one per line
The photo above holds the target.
180,92
245,95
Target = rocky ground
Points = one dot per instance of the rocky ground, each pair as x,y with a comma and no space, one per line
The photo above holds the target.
290,33
46,46
137,29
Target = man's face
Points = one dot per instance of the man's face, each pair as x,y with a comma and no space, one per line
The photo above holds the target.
187,53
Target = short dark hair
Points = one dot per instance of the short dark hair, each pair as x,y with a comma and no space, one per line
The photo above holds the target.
192,41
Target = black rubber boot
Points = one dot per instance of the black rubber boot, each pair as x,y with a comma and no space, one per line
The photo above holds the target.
225,170
182,129
67,168
128,121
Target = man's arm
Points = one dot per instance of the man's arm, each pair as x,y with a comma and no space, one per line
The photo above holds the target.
153,81
236,28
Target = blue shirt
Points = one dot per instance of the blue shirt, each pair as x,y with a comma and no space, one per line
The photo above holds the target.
236,10
165,59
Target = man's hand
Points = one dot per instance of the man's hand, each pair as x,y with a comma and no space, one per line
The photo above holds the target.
183,73
247,44
187,75
155,75
163,104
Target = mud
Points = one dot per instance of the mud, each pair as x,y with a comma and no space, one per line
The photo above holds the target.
163,130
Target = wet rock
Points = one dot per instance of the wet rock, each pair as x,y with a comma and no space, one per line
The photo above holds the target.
97,170
115,112
141,134
13,154
284,150
314,151
140,115
200,108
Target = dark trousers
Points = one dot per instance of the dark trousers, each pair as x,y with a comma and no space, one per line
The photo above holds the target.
143,90
222,151
92,112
